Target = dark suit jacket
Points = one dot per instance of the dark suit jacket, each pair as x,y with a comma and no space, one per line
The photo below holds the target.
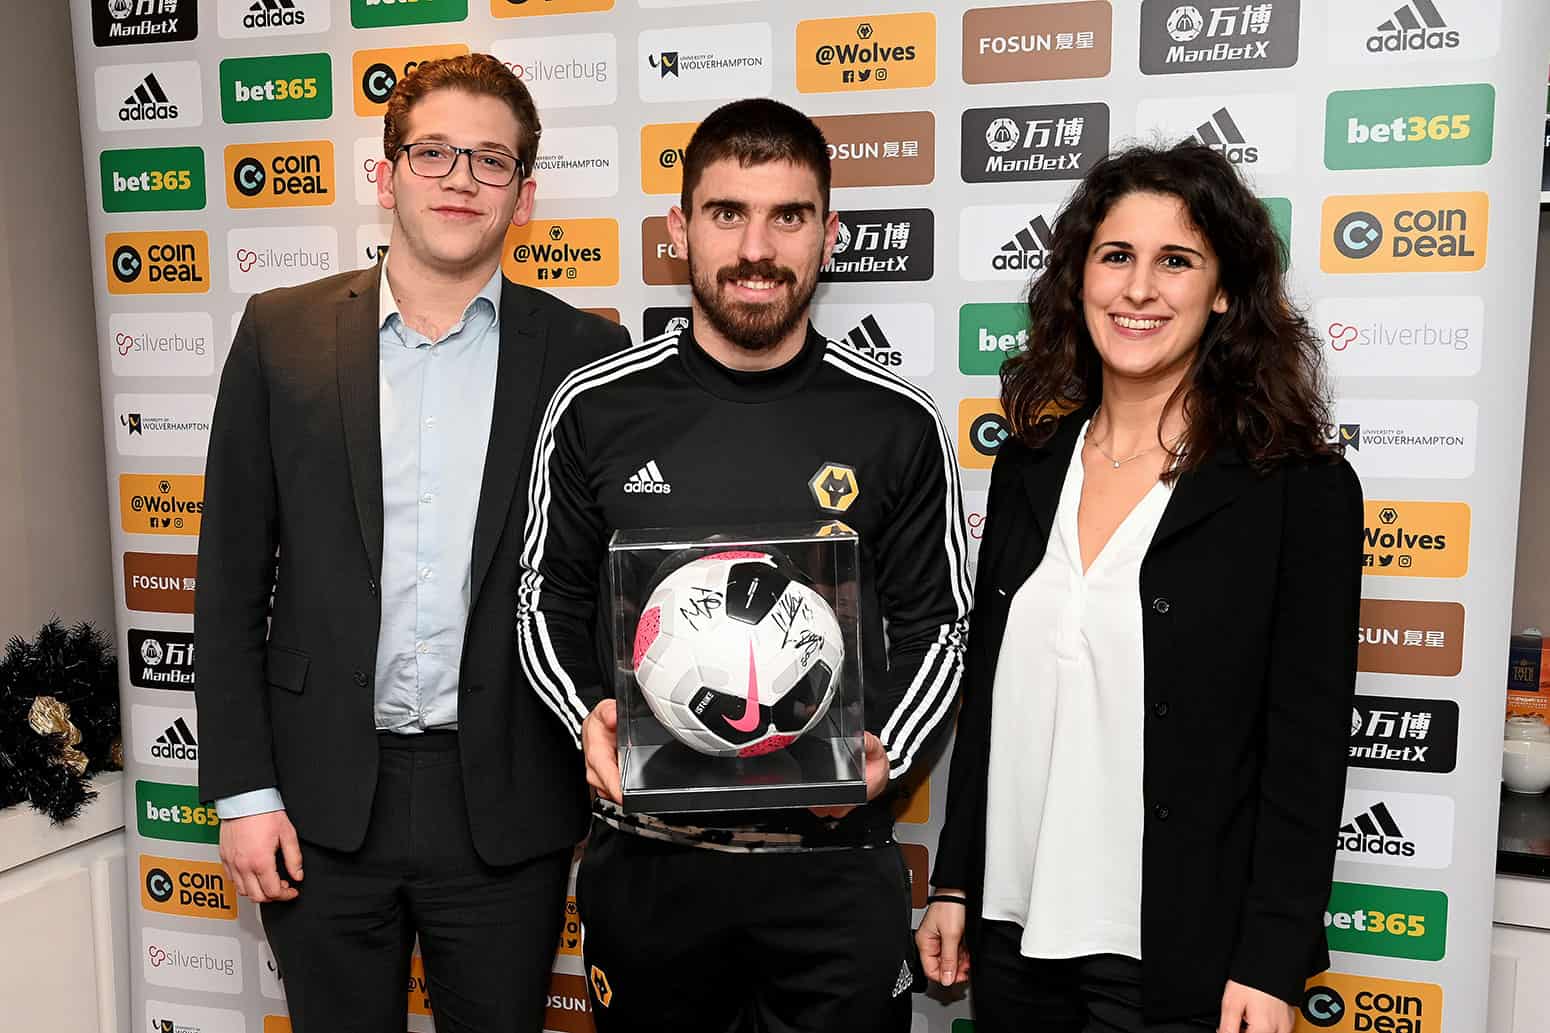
295,464
1249,594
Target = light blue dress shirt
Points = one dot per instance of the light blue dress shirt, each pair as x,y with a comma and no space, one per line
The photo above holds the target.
437,399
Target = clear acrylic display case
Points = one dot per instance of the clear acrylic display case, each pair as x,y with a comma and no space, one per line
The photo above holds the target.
758,618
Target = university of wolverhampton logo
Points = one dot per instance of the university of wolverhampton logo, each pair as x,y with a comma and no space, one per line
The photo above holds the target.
835,487
133,421
665,62
1349,435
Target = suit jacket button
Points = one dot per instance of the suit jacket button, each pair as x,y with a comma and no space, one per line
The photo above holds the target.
476,687
1161,812
1160,605
360,678
1160,709
371,586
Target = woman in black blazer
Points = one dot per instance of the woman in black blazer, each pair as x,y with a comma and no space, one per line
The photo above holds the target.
1176,748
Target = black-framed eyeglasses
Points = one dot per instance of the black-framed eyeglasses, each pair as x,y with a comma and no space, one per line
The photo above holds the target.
433,159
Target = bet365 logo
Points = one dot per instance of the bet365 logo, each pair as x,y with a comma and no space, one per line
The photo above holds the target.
376,14
153,179
287,88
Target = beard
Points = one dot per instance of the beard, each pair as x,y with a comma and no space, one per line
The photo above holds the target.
754,326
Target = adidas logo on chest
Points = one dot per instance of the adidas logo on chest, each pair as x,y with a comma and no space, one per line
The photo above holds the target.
648,480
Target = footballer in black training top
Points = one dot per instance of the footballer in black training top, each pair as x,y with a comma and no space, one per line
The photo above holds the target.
788,920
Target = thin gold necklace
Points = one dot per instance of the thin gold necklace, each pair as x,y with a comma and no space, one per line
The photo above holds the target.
1117,463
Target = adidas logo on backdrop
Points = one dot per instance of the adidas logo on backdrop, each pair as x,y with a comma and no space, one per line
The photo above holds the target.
176,743
1375,831
1028,249
266,14
1417,25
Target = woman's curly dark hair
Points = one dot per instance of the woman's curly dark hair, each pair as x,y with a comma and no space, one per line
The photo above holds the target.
1257,382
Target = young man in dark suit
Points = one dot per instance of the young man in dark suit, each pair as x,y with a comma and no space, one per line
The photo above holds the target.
380,769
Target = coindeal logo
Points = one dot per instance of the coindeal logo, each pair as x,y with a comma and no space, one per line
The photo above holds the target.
280,175
376,72
162,262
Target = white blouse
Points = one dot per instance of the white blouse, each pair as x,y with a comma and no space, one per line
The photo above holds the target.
1064,812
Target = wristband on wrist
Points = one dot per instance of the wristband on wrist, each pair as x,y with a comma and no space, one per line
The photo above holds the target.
951,898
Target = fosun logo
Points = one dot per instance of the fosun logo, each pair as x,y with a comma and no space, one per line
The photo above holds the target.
648,480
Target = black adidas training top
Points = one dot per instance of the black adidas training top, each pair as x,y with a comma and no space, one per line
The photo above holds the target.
742,448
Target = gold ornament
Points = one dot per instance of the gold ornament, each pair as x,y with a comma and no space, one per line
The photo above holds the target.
49,716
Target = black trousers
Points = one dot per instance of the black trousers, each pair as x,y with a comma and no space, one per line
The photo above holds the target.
700,941
1100,993
487,934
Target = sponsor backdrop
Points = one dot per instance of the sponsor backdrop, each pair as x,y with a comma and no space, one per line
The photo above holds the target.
230,148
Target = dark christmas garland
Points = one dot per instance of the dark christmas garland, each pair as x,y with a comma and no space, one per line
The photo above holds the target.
59,718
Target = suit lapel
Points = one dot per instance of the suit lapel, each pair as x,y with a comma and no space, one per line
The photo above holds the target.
1203,491
519,371
360,403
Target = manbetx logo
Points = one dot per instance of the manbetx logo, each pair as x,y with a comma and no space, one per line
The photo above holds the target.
1416,539
161,503
193,889
280,175
158,262
876,52
563,253
1403,233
